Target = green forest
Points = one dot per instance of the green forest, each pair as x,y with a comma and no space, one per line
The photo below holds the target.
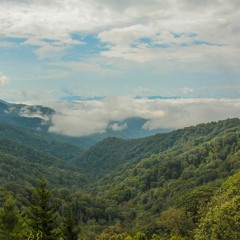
180,185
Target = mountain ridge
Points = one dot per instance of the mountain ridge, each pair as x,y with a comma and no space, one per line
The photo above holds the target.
39,118
132,151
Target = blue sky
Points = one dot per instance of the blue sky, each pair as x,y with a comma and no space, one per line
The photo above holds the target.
53,50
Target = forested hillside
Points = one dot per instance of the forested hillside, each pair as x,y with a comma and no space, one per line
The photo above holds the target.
41,141
178,185
114,153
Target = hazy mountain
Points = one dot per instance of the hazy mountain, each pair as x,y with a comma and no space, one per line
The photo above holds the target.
34,117
130,128
40,118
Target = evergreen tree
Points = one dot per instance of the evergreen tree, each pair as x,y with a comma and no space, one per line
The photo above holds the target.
70,230
42,212
10,221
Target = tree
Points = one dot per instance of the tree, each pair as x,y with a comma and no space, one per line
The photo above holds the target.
70,230
128,238
10,221
176,238
156,237
222,218
221,222
176,221
42,212
140,236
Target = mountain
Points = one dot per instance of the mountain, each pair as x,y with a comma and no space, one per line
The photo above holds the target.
25,158
34,117
129,128
166,191
23,165
40,118
114,153
40,140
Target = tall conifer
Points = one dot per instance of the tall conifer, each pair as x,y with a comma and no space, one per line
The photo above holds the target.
42,212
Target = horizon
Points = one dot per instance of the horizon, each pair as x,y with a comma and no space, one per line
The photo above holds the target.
95,116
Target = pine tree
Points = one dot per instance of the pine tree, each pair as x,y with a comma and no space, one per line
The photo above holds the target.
42,212
70,229
10,221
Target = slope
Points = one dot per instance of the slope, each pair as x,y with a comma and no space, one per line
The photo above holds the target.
174,184
113,154
40,140
23,164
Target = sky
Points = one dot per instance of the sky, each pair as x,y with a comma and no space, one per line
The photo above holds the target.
103,51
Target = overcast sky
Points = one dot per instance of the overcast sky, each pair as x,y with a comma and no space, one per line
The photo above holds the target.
59,49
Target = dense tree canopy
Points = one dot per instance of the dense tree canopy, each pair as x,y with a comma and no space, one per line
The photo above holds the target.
181,185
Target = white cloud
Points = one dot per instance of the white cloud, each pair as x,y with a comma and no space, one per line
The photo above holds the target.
89,117
187,90
186,112
186,32
122,23
93,65
53,19
3,80
31,112
50,48
117,126
178,40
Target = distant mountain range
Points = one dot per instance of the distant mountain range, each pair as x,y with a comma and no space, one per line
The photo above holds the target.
40,118
34,117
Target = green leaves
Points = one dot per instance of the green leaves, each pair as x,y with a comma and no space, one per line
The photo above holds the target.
11,222
222,219
42,212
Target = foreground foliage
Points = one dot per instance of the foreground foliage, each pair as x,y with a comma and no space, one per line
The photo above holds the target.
174,186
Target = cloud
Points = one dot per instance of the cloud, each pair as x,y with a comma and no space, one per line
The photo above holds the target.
47,48
3,80
180,31
117,126
54,20
93,65
187,90
169,40
33,112
183,33
84,118
186,112
89,117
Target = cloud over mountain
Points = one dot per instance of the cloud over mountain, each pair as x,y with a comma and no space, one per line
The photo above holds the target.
89,117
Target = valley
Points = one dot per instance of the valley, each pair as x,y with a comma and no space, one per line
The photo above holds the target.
170,185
